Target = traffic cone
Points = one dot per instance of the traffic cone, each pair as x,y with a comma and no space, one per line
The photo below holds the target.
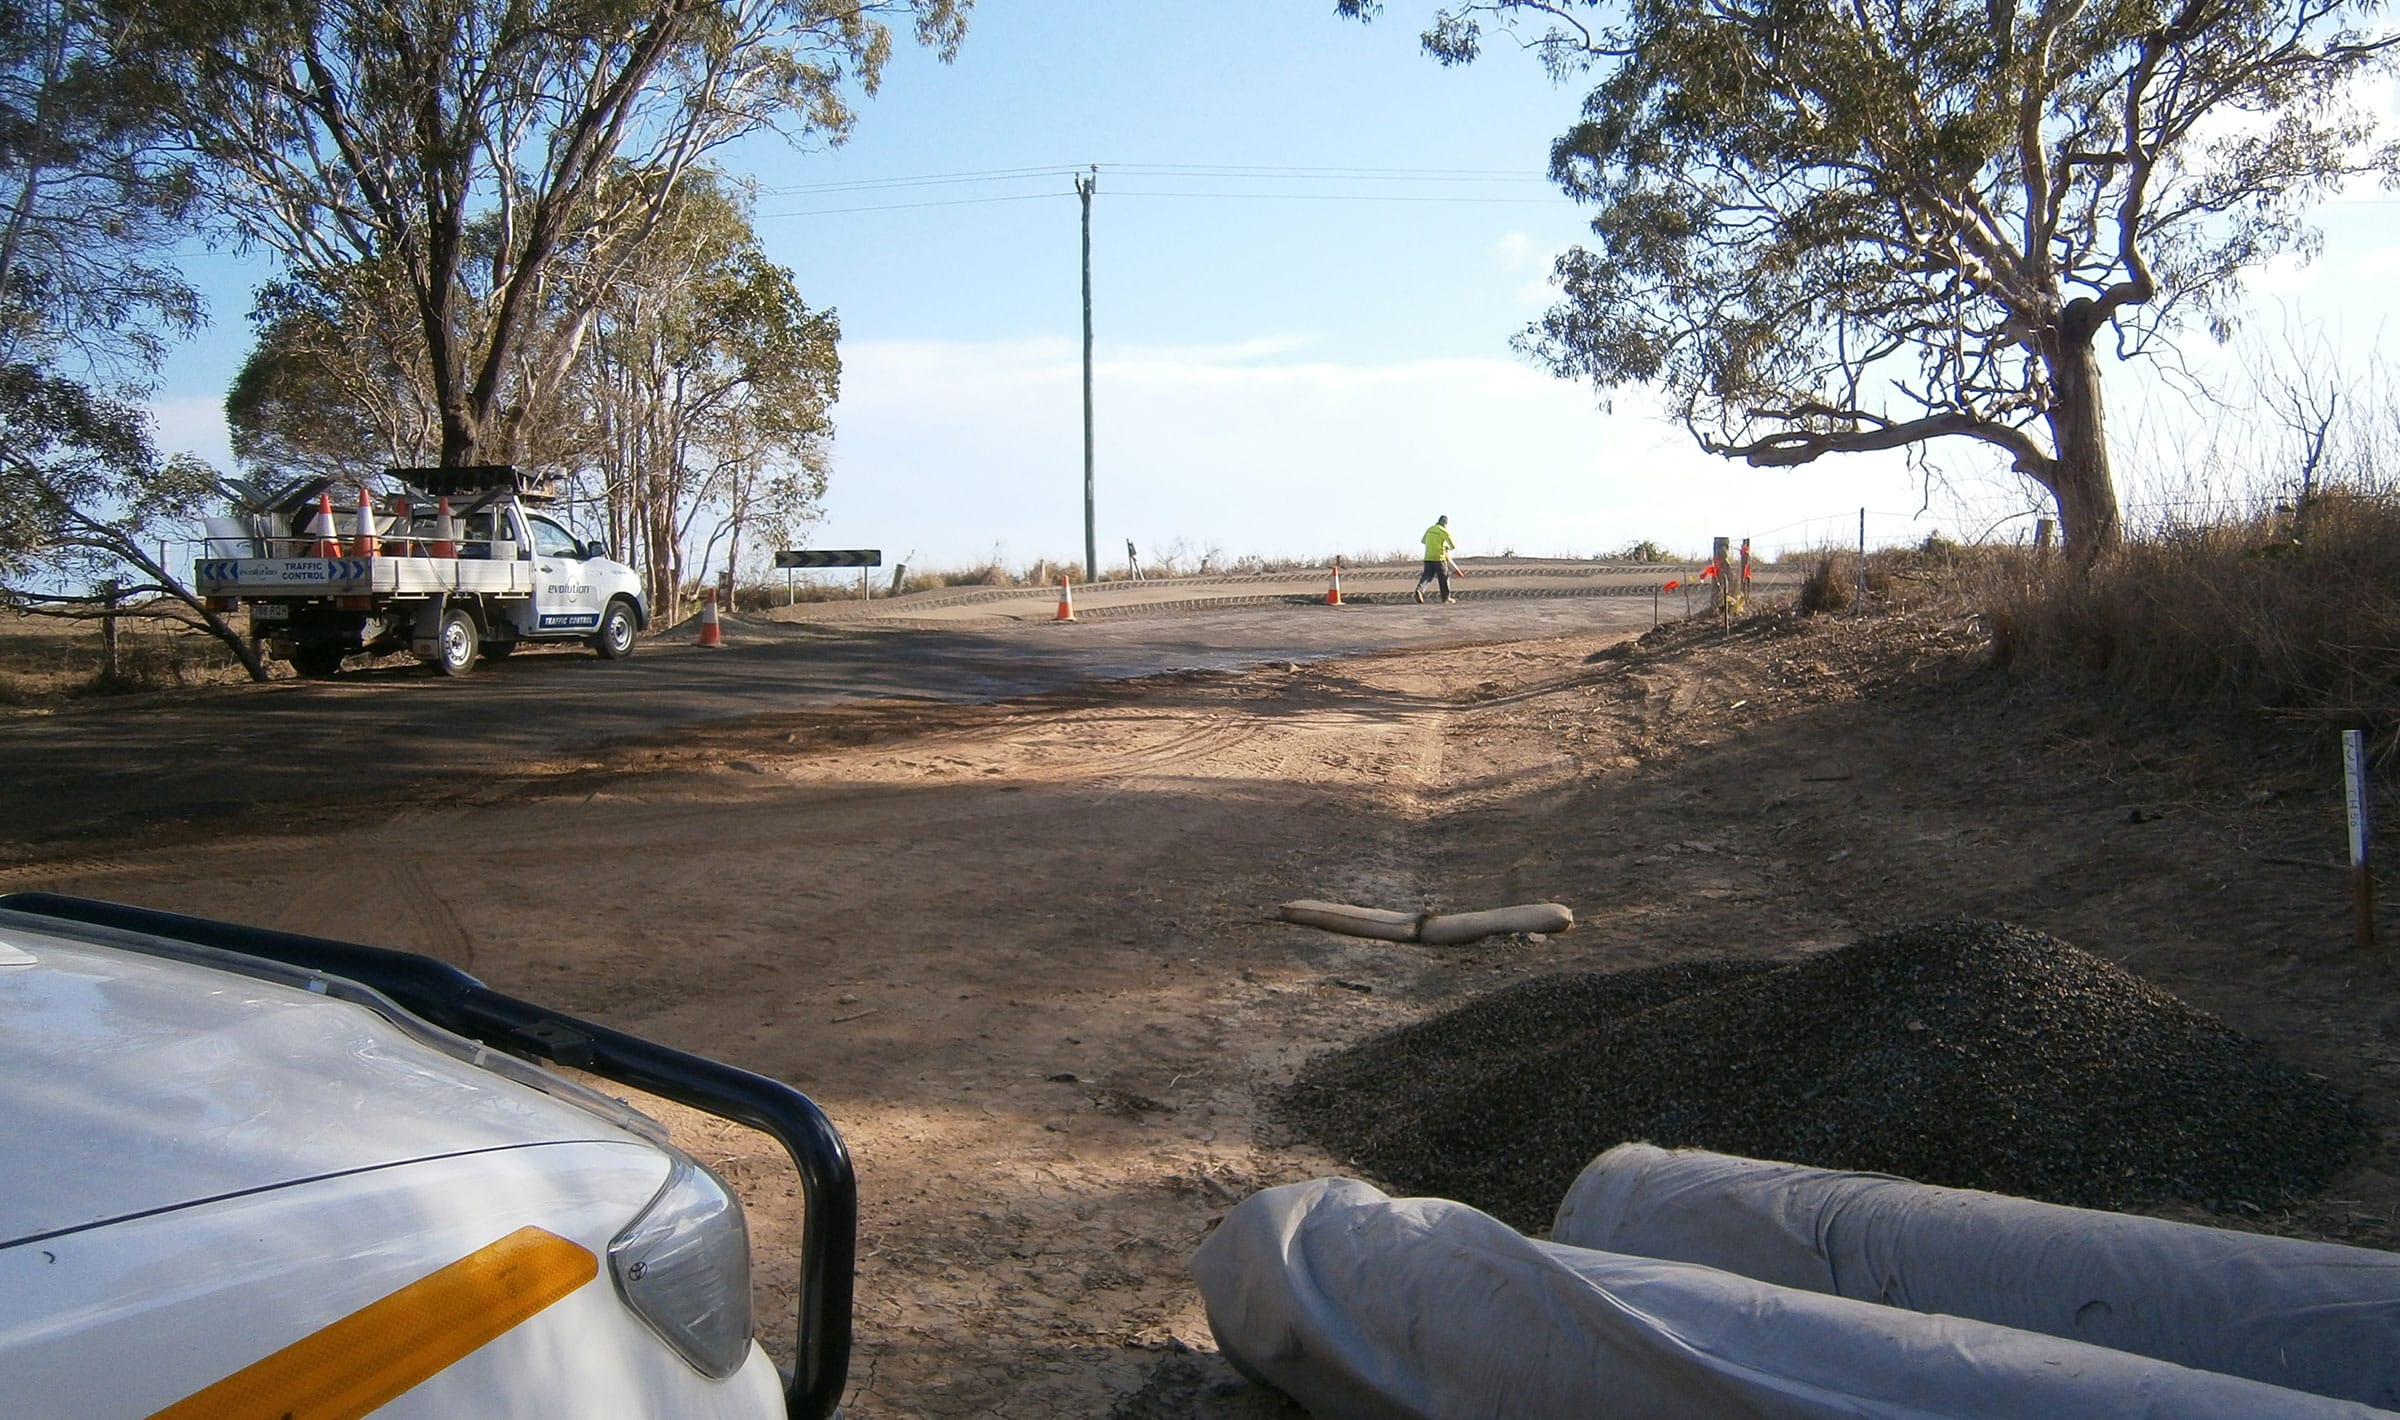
445,530
366,544
710,633
1066,600
1333,594
397,522
328,546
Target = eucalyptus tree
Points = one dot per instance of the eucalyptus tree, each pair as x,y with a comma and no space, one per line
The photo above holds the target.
92,200
1829,226
704,394
336,381
379,135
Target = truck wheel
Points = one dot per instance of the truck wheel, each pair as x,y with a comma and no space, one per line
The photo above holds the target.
316,662
618,631
458,643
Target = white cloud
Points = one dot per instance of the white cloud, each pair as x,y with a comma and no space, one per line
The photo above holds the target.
948,452
1518,249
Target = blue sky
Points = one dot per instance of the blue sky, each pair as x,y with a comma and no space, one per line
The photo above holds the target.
1311,246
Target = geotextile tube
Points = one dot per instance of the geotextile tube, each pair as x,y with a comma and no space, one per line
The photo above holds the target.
1364,1307
1353,921
1433,929
2310,1316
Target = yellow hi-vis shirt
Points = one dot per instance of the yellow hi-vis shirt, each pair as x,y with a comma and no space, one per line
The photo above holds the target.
1438,543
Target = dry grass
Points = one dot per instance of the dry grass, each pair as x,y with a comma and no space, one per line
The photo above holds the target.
2238,619
48,659
1937,573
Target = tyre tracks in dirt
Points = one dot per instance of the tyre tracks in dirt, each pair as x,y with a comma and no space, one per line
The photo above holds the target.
1025,955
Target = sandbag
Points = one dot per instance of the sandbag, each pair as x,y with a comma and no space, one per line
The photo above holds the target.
1452,928
1355,921
2309,1316
1440,930
1363,1307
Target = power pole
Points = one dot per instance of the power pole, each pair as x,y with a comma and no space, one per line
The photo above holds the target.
1084,187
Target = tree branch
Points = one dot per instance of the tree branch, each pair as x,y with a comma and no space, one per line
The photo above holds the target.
1792,447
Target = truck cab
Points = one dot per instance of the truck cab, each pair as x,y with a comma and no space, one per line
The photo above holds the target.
573,588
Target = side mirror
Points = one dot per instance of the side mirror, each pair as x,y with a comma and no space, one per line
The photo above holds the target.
595,549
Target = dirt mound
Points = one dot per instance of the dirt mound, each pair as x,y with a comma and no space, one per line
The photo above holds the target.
1972,1054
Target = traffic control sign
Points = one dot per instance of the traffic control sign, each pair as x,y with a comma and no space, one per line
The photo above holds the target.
858,557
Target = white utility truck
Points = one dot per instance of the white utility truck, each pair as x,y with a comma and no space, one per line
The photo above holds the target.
251,1174
459,566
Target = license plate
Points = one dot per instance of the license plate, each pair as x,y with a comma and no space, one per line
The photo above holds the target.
270,611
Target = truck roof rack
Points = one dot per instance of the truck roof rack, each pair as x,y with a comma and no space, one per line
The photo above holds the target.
482,478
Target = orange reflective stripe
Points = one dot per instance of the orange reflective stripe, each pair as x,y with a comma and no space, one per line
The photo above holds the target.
347,1369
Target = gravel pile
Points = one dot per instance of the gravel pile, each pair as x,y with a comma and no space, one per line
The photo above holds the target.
1972,1054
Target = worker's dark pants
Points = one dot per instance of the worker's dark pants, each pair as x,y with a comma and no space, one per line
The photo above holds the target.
1435,571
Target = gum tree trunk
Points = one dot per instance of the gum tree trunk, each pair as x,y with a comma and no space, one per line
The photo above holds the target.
2079,477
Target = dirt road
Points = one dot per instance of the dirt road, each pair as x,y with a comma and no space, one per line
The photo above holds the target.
99,770
1025,953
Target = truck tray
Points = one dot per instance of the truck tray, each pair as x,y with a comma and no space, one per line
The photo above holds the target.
266,577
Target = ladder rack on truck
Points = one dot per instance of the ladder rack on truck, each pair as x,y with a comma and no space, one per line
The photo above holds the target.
457,566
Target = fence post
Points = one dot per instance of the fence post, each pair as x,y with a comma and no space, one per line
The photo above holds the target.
110,593
2357,792
1719,552
1862,559
2044,529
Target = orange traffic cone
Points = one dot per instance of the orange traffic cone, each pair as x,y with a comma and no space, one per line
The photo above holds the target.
328,546
397,522
1066,600
445,530
710,633
365,544
1333,594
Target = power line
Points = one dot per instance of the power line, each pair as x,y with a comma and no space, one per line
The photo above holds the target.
1357,197
1493,175
909,206
929,180
1189,196
1228,170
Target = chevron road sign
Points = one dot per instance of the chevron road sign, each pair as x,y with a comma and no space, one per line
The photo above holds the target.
867,557
294,570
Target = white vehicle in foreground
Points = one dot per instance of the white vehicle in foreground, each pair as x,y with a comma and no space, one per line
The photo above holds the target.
242,1178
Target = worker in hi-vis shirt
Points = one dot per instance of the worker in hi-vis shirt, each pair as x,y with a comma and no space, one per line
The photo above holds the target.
1438,546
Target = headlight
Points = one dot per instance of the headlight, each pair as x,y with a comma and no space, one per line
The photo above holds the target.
684,1268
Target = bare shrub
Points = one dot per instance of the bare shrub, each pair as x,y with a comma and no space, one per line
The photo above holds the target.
1831,584
1937,573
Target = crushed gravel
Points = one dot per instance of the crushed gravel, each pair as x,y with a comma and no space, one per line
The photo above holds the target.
1971,1054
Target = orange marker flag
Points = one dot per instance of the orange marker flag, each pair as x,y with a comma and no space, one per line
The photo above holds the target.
1671,586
